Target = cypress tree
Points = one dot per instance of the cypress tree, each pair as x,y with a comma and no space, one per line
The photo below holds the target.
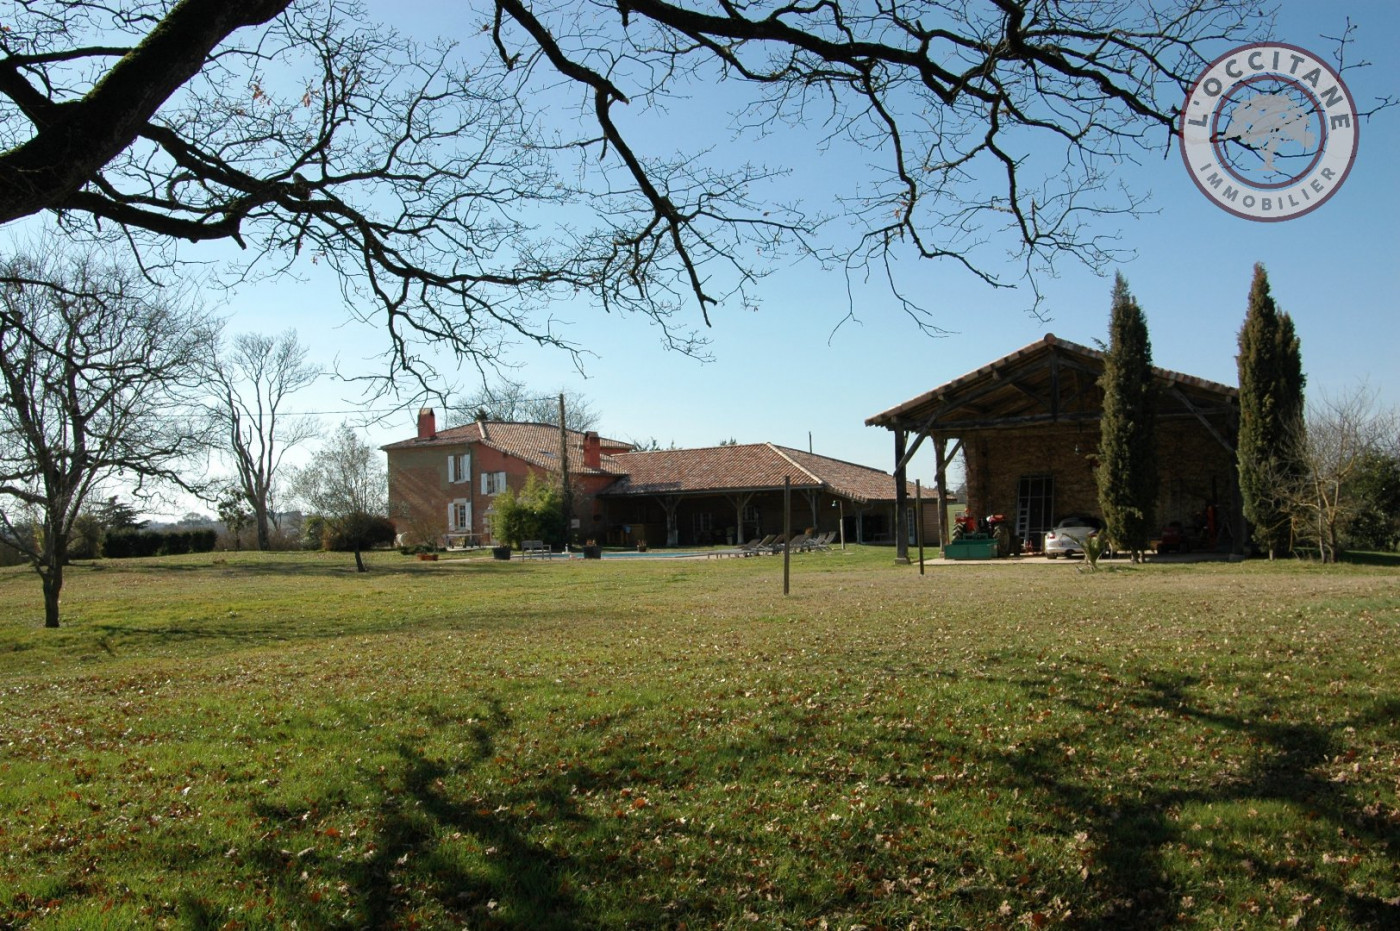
1127,467
1270,447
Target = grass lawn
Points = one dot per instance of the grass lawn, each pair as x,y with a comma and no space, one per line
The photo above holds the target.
250,741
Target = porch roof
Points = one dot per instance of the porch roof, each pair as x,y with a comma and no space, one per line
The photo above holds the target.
1049,381
745,468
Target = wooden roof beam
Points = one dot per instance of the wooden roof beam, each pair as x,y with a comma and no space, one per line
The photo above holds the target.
1210,428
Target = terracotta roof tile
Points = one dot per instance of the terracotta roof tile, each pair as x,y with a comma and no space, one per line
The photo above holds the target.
746,468
716,469
536,443
857,482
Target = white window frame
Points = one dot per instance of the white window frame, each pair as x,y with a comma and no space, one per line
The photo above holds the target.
459,468
493,483
459,515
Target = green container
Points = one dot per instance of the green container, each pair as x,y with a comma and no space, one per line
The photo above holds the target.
971,549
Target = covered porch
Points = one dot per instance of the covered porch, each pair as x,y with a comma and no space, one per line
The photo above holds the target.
1027,426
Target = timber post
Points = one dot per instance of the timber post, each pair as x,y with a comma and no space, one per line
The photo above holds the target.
901,501
940,461
787,532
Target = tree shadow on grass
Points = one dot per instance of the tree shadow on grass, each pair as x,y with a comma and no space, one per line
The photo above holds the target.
215,634
379,564
1133,827
1371,558
538,848
436,855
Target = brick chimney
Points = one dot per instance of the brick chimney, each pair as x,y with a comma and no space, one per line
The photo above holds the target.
427,424
592,451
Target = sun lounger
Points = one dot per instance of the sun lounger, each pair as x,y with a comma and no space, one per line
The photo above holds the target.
745,549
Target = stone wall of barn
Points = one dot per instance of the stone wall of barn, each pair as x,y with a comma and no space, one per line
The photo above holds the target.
1195,470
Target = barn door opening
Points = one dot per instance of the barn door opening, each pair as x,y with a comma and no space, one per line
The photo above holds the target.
1035,510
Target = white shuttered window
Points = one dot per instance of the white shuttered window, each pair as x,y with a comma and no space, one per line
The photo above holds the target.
459,468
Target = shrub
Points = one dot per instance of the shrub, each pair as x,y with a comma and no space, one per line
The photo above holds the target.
536,512
9,556
358,531
314,533
87,537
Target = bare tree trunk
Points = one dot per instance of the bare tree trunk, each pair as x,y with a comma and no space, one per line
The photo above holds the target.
264,535
53,584
359,561
50,567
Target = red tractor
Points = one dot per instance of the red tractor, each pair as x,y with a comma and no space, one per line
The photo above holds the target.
992,527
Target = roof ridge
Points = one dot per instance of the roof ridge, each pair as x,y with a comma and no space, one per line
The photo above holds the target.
782,452
1052,344
846,462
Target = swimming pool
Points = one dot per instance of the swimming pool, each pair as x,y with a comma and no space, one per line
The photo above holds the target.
649,554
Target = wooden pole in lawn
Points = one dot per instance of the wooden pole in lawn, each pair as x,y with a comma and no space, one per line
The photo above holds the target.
919,520
901,502
787,532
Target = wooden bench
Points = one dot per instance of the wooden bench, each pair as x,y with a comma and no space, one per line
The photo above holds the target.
532,548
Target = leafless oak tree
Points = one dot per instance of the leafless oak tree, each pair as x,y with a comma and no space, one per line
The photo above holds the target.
1342,430
345,484
455,213
99,376
515,401
255,375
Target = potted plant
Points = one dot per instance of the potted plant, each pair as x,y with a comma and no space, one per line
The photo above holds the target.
500,552
641,546
591,550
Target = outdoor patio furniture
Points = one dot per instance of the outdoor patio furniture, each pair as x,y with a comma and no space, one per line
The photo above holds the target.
774,544
745,549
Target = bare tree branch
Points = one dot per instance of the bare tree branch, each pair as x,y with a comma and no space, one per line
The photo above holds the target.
456,208
254,376
98,373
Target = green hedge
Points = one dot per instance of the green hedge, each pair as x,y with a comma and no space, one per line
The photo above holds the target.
125,544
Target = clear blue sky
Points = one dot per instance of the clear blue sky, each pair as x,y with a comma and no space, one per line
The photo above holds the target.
781,372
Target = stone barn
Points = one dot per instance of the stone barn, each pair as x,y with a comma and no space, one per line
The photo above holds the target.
1027,426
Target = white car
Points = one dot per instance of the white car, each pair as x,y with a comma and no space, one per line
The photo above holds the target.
1067,539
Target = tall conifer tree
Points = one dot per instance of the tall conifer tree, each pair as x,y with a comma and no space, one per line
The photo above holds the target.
1270,448
1127,469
